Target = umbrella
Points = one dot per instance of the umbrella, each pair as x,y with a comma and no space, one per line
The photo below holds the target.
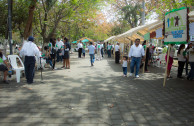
85,40
74,42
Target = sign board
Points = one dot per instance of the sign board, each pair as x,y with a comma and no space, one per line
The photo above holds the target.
176,26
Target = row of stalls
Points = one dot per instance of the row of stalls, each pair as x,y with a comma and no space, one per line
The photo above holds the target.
151,30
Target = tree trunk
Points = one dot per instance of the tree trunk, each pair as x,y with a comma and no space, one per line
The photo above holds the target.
5,47
28,28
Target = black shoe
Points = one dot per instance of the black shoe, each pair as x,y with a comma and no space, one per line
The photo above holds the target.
6,82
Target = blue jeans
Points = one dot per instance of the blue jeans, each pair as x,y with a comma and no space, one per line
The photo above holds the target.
135,61
92,58
191,72
125,70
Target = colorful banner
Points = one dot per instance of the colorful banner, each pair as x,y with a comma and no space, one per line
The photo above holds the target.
176,26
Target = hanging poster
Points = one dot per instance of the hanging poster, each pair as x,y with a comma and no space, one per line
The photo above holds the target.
176,26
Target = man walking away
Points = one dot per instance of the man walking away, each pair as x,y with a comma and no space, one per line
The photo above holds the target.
117,53
135,54
80,46
91,49
29,50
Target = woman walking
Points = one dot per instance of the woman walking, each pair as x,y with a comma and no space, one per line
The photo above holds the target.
181,60
66,56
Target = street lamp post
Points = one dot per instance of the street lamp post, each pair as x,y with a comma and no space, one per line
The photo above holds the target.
10,26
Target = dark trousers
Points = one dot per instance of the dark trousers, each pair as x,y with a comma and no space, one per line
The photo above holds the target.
80,53
146,63
125,70
117,56
92,58
191,72
102,52
181,65
53,59
29,65
59,58
109,53
186,67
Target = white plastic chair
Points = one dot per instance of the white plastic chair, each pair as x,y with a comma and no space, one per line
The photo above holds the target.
13,61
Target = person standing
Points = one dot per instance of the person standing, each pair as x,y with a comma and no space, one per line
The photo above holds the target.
52,51
109,48
171,55
80,46
187,62
91,49
135,54
147,55
4,67
191,62
66,56
99,56
117,53
84,50
181,54
102,49
29,50
59,45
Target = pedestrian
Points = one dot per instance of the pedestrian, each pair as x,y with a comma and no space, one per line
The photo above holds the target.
171,55
187,62
66,56
99,55
117,53
4,67
113,49
191,62
80,46
91,49
102,49
29,50
124,63
59,46
84,50
181,54
47,57
136,53
52,51
148,54
109,48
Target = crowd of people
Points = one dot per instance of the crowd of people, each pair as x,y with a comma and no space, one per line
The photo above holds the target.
58,50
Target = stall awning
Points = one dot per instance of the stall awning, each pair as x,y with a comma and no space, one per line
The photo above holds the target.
109,39
85,38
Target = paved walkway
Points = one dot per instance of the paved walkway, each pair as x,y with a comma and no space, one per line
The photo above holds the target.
97,96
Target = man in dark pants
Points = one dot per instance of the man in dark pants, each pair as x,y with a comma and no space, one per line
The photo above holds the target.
29,50
80,46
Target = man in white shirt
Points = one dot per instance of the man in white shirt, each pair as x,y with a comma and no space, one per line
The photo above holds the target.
91,49
29,50
59,46
117,53
4,67
80,46
135,54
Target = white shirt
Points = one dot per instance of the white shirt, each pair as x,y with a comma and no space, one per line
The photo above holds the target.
59,44
102,46
30,49
80,45
172,51
124,63
191,55
180,56
91,49
116,48
2,59
136,51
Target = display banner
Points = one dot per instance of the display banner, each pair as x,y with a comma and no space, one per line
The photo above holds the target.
176,26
